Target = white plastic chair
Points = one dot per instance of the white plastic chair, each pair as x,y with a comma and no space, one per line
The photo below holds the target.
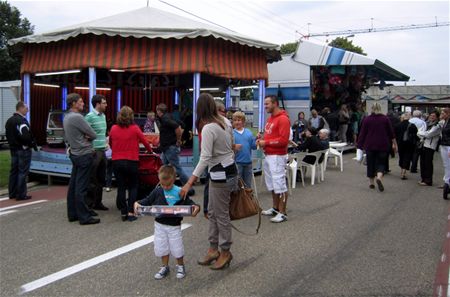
334,153
316,166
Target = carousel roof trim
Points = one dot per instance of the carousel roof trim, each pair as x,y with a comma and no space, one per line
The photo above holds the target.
148,22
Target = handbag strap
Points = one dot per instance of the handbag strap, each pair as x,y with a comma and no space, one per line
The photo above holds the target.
249,234
241,183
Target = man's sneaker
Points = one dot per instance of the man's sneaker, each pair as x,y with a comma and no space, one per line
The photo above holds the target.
181,273
270,212
162,273
279,218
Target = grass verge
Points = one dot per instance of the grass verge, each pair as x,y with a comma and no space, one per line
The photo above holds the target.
5,163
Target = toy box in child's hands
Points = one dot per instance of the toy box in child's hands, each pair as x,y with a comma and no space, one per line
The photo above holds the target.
165,210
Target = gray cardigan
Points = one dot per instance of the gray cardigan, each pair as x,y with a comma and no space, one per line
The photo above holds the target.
216,147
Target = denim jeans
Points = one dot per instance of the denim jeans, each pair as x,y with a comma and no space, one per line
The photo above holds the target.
78,186
171,156
20,166
127,178
246,172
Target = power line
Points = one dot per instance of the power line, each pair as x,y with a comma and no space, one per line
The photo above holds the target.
382,29
185,11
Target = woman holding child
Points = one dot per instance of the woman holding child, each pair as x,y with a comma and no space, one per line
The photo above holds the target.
217,156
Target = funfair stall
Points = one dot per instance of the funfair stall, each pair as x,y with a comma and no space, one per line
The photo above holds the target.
318,76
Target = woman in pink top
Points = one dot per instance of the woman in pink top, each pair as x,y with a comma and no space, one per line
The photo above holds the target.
124,140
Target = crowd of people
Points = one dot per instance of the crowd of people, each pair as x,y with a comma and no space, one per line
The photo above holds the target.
225,155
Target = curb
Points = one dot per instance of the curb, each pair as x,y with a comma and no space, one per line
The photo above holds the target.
4,192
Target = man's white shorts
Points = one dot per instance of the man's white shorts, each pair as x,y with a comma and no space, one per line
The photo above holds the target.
275,173
168,240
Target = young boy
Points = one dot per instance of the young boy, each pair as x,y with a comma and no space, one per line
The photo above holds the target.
244,143
168,237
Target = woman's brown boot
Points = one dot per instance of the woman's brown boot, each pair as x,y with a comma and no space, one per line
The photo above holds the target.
223,261
210,257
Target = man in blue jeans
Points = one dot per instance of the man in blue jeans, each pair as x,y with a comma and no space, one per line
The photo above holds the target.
79,135
20,140
170,142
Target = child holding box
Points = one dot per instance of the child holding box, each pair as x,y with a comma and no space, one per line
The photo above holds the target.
168,237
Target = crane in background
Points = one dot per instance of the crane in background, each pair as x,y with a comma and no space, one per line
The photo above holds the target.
382,29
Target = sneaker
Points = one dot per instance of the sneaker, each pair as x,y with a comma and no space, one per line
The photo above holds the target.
181,272
270,212
108,189
279,218
163,272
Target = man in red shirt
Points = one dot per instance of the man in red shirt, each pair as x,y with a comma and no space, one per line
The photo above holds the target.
275,145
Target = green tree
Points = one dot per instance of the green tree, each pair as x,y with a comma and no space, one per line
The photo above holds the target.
288,48
12,25
344,43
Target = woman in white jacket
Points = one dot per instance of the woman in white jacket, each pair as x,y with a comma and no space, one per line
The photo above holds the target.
444,148
430,140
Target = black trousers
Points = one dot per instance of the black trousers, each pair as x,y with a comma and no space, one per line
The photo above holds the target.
97,180
376,162
426,165
415,159
79,181
127,177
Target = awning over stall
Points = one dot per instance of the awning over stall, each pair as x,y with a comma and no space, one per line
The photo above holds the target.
315,54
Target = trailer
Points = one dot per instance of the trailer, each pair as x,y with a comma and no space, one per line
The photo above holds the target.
9,95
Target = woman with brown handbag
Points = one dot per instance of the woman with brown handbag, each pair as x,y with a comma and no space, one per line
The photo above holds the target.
217,156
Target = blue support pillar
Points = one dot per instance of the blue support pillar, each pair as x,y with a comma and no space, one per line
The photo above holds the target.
261,111
228,102
64,97
92,86
195,144
177,98
26,93
119,99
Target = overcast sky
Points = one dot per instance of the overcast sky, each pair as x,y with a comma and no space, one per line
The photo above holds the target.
422,54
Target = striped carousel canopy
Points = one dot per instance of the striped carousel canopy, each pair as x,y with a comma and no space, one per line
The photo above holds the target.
147,40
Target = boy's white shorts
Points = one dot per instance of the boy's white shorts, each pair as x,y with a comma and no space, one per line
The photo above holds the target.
275,173
168,240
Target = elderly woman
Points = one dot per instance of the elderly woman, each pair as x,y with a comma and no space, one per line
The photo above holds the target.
405,133
375,138
429,137
217,156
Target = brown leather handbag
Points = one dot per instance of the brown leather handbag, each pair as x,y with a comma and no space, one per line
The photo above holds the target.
243,204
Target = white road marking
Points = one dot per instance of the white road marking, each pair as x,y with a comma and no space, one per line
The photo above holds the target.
3,199
7,212
88,263
21,205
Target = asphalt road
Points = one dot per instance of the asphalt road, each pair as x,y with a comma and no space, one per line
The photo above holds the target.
341,239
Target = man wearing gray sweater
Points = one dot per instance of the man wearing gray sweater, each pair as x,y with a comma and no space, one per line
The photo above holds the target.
79,135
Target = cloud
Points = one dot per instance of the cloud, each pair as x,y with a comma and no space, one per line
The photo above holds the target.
422,54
